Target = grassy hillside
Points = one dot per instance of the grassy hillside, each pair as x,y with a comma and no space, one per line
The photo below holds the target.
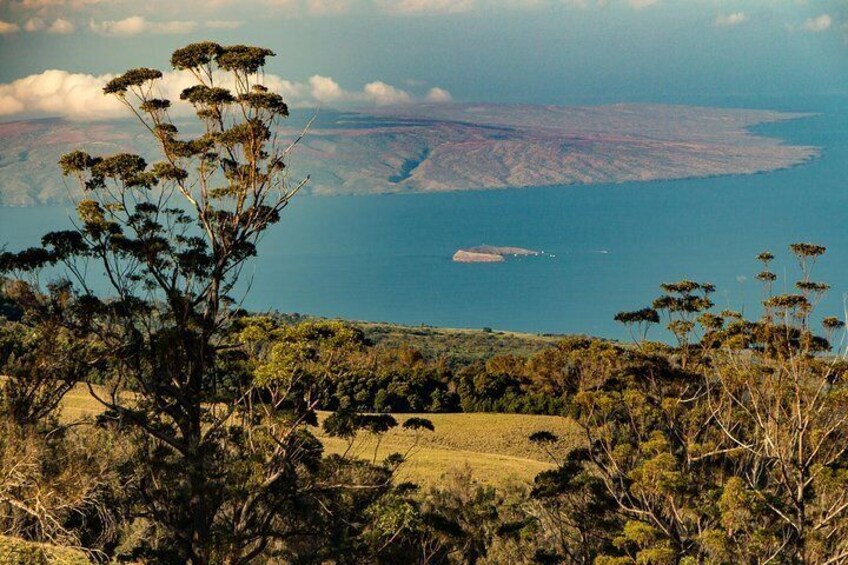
493,446
460,344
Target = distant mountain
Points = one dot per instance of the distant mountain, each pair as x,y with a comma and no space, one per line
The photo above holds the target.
439,147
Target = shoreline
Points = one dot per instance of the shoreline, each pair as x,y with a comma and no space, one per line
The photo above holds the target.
624,183
812,153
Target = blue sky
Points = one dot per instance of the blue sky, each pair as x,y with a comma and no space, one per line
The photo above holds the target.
340,52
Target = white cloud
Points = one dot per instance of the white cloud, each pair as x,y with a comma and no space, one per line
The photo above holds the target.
10,105
437,94
59,93
135,25
384,94
406,7
61,26
34,24
128,26
815,25
730,20
7,27
50,10
80,96
325,89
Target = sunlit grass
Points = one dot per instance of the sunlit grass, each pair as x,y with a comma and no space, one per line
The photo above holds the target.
493,446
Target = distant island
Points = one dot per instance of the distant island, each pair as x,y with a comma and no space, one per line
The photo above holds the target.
443,147
491,254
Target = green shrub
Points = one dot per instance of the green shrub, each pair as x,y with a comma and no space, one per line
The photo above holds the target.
14,551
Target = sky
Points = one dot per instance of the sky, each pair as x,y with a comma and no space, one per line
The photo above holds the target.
56,54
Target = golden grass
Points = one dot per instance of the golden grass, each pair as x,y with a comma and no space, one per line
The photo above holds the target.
493,446
78,404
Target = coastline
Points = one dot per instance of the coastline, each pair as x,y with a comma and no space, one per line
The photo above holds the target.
758,141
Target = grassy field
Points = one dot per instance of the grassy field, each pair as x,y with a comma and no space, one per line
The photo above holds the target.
493,446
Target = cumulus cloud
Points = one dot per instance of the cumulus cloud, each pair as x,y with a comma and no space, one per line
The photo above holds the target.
80,96
128,26
437,94
36,15
8,27
819,24
135,25
59,93
59,26
34,24
730,20
325,89
384,94
407,7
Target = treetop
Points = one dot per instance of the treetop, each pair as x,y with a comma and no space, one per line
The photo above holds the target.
133,77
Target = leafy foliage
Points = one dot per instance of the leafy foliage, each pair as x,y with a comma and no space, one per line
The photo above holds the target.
222,467
731,448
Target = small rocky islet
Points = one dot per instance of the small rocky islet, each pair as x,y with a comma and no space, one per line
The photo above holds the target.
492,254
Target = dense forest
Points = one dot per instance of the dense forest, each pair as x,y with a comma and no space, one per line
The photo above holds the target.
727,444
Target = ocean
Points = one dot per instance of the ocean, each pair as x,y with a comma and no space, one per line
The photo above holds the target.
388,258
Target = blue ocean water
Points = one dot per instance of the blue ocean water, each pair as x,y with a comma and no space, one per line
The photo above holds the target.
388,258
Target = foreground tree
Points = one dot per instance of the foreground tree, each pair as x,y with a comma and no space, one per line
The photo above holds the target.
224,469
732,446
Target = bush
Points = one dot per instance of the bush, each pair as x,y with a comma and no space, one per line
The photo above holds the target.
15,551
